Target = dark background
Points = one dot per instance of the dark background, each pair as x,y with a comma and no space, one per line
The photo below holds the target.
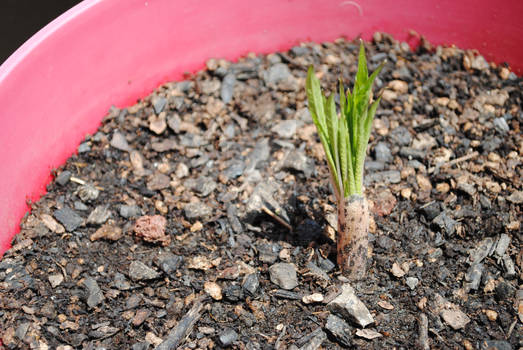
20,19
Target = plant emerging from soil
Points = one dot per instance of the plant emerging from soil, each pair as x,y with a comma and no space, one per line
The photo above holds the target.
344,137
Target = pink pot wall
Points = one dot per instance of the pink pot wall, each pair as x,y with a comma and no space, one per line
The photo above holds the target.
59,84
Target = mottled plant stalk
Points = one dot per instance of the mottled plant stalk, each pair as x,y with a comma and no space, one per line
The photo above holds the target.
344,137
352,239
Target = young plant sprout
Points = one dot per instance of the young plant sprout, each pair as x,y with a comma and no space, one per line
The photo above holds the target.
344,138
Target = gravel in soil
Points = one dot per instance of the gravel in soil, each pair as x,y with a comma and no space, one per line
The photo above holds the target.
201,217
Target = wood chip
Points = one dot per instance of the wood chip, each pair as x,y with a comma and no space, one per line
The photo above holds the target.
385,305
368,334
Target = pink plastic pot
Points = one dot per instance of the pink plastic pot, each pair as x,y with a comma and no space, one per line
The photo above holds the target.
60,83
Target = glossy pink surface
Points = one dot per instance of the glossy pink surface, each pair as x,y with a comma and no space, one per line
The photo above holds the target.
59,84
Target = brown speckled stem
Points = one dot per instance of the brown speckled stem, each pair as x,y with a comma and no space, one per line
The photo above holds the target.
353,240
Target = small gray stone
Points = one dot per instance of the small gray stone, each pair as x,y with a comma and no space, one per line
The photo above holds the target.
412,153
130,211
374,166
412,282
182,170
174,123
379,57
387,177
234,170
455,318
382,152
502,245
501,125
56,279
144,345
84,147
201,159
120,282
479,62
298,161
286,128
227,89
416,164
78,205
468,188
63,178
21,330
169,263
445,223
138,271
349,306
99,136
102,331
95,296
163,146
233,293
192,140
277,73
495,345
263,196
227,337
284,275
251,283
325,264
197,210
232,216
268,253
69,218
229,131
17,278
401,136
508,264
315,271
387,243
158,181
209,86
260,153
299,51
119,142
159,104
516,197
339,329
473,276
482,250
432,210
133,301
313,340
99,215
203,185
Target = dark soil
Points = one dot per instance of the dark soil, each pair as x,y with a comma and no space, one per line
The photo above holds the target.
230,158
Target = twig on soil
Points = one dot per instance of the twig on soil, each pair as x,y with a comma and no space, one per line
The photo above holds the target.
423,323
83,182
77,180
182,330
511,328
64,272
426,204
454,161
277,218
435,332
278,343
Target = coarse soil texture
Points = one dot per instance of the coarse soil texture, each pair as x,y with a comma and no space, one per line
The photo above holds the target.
202,216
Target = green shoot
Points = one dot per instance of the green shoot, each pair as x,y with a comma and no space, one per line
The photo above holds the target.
345,136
